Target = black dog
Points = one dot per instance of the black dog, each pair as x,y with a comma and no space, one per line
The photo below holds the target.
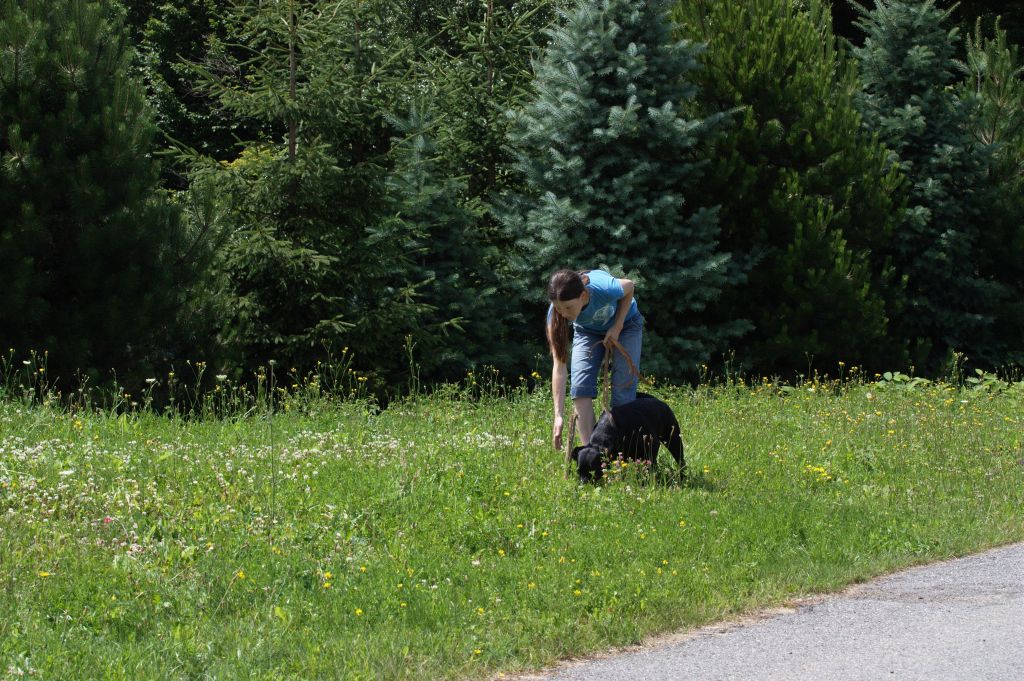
635,430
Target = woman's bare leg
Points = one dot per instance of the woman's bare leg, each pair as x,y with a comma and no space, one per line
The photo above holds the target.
584,407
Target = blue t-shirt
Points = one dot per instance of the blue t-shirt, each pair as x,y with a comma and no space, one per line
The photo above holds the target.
605,293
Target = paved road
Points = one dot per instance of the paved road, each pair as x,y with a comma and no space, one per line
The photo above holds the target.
961,620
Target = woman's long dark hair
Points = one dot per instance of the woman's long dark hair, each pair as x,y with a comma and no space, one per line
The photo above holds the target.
563,285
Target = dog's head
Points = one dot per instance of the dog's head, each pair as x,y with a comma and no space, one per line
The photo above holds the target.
588,462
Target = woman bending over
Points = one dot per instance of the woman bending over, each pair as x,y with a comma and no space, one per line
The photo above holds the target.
601,310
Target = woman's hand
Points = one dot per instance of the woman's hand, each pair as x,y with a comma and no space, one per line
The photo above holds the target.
612,337
556,433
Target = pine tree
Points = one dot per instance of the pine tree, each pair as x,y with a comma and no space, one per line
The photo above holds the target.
808,200
994,83
90,252
1009,14
613,163
909,101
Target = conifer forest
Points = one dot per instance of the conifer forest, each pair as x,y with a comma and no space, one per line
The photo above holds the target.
384,186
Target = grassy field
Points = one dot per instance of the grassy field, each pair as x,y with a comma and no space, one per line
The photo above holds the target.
438,538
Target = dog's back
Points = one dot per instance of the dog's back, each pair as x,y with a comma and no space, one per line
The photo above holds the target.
645,423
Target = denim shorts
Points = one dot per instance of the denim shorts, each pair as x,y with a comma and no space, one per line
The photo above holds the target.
588,354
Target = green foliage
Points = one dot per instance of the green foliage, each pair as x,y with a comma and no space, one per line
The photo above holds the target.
970,14
90,253
311,257
808,200
994,82
475,58
994,75
351,216
613,162
898,380
169,36
909,101
450,255
479,63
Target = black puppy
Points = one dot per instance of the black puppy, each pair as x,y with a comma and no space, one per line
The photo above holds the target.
635,430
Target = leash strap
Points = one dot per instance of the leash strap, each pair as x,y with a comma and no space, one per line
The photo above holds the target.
606,381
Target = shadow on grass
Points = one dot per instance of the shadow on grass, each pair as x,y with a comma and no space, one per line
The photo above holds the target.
697,480
690,480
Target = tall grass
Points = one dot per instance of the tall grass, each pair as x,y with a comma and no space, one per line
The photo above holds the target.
438,538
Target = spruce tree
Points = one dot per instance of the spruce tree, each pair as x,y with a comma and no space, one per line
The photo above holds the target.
450,255
89,250
476,59
314,258
613,161
909,101
481,65
808,200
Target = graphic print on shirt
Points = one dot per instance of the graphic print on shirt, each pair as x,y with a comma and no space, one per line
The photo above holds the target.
602,315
